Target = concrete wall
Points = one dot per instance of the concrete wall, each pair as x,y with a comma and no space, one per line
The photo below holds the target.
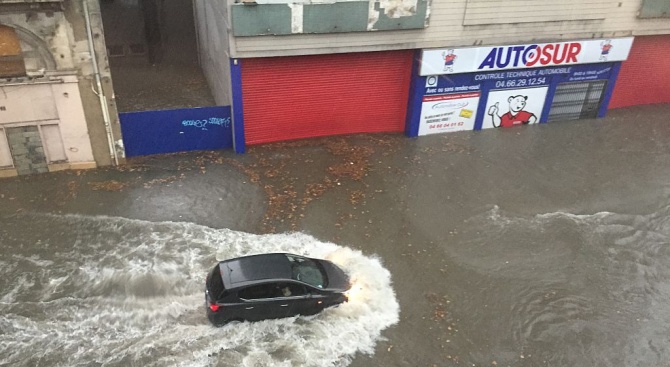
45,41
73,128
473,22
55,48
213,31
73,11
126,21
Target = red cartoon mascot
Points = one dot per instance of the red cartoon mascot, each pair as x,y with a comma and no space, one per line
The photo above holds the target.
516,114
605,48
449,59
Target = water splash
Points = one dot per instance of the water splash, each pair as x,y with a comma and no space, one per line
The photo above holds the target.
117,292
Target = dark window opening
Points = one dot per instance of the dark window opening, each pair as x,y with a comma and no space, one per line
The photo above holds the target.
291,290
260,292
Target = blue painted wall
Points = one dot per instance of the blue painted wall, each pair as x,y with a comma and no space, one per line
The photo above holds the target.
169,131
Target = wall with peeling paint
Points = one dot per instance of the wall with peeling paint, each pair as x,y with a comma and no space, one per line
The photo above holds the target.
73,11
300,17
55,50
459,23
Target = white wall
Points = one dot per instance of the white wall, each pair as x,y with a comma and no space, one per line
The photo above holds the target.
58,103
212,27
73,128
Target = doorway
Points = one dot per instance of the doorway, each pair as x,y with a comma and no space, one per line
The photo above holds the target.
153,55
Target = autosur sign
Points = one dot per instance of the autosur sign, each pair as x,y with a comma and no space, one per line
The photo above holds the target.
473,59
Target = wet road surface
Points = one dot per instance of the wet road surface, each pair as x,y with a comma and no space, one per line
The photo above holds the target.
536,246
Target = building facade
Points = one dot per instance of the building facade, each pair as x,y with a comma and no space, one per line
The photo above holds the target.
56,106
293,69
297,69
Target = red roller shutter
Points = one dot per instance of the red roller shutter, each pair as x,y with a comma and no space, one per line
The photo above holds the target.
644,78
307,96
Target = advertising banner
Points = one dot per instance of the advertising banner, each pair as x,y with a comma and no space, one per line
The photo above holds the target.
512,107
475,59
499,98
448,113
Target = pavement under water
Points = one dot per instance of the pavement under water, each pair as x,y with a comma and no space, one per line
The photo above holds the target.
544,245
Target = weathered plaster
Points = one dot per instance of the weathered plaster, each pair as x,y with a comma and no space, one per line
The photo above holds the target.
296,17
398,8
41,40
73,12
55,43
393,9
73,129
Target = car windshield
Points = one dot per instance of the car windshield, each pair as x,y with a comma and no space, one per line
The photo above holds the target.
307,271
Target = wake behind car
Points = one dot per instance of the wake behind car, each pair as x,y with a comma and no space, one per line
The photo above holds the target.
271,286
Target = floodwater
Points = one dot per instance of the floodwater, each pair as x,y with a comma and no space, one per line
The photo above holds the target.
535,246
116,292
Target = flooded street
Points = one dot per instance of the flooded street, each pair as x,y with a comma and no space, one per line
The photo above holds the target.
544,245
117,292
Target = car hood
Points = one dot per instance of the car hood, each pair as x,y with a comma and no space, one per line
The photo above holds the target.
338,280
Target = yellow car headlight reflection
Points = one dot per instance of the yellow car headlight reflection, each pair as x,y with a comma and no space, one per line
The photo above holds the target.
354,293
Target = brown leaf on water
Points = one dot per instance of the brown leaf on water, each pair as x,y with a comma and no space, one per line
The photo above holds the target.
164,180
356,197
111,185
315,189
72,187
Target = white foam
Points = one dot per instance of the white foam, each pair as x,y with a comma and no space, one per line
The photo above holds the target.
138,299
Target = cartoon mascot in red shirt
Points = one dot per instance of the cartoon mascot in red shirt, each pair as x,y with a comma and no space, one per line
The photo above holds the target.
605,48
449,59
516,114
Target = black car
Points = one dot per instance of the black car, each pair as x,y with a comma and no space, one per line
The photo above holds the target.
271,286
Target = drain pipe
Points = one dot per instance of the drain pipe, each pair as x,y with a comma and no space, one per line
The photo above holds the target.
98,82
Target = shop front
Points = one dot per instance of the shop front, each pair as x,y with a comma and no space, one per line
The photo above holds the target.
297,97
648,61
490,87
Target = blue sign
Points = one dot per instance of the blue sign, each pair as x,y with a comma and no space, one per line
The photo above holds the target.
169,131
489,96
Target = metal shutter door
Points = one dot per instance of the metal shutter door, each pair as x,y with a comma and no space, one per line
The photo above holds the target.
308,96
574,101
645,76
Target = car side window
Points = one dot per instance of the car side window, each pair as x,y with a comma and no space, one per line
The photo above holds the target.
259,292
291,290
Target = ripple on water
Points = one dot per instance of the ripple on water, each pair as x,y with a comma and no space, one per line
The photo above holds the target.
591,289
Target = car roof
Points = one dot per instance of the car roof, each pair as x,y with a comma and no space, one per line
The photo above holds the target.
250,269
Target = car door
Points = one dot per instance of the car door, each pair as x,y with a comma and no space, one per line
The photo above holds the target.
263,301
293,297
310,303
